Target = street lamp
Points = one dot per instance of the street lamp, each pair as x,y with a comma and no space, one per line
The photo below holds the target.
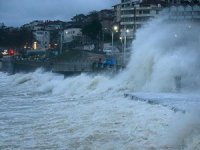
61,41
121,39
126,31
35,45
115,29
125,38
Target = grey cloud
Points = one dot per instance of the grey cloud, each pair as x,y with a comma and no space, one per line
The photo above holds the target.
18,12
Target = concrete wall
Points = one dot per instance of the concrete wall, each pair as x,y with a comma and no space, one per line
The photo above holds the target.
8,64
0,65
72,66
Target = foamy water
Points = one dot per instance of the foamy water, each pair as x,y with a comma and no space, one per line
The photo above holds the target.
42,110
37,117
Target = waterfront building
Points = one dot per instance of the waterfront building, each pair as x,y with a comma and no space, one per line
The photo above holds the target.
132,14
42,40
135,13
71,34
117,10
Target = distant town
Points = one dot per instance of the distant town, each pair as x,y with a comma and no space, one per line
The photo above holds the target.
108,32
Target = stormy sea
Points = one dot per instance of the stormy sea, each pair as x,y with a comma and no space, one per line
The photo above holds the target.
136,109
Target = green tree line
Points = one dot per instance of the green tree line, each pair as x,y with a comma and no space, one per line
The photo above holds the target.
15,37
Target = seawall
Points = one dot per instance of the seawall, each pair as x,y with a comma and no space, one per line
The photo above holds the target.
11,66
7,64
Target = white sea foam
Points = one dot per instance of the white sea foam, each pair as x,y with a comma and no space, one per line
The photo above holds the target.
184,132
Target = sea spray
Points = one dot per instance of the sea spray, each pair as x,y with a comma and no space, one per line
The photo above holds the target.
161,51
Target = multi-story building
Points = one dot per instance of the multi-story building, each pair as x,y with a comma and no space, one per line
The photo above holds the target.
42,40
71,34
134,13
117,9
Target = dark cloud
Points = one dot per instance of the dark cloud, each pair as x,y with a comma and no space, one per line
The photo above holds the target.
18,12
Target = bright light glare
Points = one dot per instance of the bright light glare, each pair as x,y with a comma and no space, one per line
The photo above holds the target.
115,28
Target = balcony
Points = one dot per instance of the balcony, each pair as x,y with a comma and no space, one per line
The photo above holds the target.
133,23
127,16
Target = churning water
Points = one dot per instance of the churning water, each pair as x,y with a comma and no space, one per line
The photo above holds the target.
42,110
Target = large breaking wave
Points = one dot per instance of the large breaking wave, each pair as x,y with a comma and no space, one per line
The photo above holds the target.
161,51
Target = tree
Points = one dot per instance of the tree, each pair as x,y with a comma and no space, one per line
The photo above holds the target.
93,29
26,37
15,37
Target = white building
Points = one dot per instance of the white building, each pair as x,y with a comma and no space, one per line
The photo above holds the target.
42,40
117,9
70,34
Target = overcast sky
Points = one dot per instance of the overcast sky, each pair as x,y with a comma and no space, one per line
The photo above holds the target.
19,12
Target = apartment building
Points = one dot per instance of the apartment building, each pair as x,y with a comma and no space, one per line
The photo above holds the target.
134,13
117,10
42,40
71,34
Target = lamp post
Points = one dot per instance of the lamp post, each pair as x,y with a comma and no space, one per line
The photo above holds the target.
61,42
121,39
126,31
115,29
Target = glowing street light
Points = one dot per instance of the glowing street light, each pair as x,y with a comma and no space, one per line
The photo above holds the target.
125,37
121,39
35,45
115,28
